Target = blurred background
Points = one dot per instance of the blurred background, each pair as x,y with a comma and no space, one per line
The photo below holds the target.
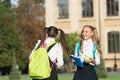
21,22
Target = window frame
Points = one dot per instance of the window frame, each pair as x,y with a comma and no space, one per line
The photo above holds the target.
112,7
87,8
63,9
114,42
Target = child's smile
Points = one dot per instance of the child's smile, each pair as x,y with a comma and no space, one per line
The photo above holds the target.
87,33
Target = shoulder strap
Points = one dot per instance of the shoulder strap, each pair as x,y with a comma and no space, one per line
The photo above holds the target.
48,49
94,50
78,48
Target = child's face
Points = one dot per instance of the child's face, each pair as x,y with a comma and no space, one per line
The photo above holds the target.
87,33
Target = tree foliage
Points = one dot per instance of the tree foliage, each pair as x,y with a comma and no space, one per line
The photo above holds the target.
19,29
72,39
14,73
30,17
9,38
5,3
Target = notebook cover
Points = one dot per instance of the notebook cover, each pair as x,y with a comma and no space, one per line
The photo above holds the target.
77,61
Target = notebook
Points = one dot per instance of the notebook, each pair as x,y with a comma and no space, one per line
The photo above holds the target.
77,61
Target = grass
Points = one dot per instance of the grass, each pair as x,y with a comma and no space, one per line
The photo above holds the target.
111,77
114,77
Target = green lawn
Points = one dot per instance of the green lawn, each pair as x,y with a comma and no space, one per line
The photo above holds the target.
112,77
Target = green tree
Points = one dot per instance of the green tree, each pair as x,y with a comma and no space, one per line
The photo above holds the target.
26,20
14,73
31,20
5,3
9,39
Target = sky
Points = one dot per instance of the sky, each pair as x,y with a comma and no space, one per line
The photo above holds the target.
14,3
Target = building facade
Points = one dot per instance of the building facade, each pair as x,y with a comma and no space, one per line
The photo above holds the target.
72,15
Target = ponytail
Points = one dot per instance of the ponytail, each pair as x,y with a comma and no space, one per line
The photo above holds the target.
53,32
96,39
63,42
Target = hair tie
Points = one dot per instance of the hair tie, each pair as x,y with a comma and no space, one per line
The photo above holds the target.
46,28
59,29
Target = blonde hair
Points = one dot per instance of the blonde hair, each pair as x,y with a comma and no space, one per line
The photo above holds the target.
95,37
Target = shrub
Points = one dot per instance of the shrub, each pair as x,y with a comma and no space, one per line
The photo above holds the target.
101,71
14,74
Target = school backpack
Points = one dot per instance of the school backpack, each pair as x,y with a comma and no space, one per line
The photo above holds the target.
39,65
94,50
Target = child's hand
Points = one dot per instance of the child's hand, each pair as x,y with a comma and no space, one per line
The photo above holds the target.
93,61
72,60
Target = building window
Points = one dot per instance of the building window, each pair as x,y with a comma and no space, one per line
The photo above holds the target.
62,8
87,8
112,8
114,42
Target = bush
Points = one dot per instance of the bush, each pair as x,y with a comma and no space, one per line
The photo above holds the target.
71,39
101,71
14,74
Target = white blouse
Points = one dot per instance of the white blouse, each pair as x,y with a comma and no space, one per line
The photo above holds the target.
88,51
55,53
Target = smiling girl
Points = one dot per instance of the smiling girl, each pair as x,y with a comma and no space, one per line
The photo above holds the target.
88,44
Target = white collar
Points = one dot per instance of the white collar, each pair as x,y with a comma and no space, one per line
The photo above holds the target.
88,41
49,39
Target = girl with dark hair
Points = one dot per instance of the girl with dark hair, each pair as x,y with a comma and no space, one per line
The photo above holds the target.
56,52
88,53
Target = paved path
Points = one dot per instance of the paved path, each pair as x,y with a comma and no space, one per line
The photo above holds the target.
114,73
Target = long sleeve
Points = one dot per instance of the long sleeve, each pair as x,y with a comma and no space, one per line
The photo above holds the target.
97,57
56,53
60,61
